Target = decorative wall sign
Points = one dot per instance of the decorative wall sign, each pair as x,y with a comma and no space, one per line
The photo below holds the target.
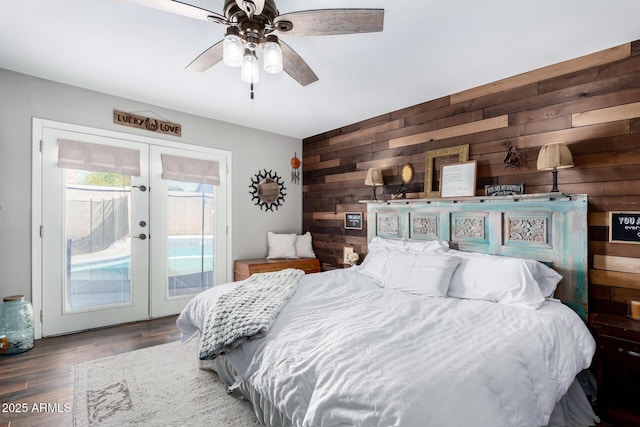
458,180
459,151
504,189
267,190
624,227
353,220
147,123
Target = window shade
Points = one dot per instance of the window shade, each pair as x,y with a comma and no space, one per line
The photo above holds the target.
98,158
190,170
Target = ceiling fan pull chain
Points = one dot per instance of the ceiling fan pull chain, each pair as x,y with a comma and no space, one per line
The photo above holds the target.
251,90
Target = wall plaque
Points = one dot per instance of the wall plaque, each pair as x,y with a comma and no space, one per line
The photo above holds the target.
624,227
353,220
504,189
147,123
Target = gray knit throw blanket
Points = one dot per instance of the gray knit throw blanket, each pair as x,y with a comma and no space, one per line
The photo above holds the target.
246,312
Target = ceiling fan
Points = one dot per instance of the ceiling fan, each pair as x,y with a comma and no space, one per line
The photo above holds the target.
257,23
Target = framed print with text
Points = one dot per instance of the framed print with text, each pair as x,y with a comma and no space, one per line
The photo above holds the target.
458,179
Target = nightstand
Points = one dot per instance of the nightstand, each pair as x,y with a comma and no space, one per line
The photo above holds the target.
617,366
242,269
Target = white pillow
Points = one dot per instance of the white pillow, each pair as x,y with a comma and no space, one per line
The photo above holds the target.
412,246
374,264
420,274
281,245
546,276
304,246
427,246
494,278
379,242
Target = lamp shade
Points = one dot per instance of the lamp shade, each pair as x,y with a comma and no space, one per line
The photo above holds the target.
249,72
555,155
374,177
232,48
272,55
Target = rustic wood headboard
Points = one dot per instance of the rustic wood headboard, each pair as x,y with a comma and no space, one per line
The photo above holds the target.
550,228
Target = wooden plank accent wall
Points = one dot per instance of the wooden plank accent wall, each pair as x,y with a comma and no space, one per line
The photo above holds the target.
592,103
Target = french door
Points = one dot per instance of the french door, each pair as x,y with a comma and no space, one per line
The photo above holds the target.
121,243
188,227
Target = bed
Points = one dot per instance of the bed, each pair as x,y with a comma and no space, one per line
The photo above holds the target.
420,334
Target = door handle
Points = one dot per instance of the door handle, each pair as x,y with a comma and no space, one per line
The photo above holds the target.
629,352
142,188
140,236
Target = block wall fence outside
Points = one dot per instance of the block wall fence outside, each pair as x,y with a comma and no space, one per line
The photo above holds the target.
591,103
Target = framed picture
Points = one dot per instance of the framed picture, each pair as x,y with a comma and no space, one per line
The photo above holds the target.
458,180
346,252
353,220
456,154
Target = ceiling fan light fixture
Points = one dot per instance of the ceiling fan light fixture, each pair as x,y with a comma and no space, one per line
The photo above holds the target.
249,23
232,48
272,55
250,71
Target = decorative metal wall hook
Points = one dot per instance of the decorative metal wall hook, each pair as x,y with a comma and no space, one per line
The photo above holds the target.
511,160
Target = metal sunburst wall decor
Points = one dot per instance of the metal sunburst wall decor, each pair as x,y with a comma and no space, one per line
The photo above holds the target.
267,190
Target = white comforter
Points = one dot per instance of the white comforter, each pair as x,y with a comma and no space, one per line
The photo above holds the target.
344,351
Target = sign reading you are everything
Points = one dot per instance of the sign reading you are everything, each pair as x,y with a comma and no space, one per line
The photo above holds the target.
147,123
624,227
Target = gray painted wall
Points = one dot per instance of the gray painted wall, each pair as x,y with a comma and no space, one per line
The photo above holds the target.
23,97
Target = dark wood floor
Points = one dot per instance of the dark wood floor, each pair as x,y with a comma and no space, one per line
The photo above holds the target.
45,374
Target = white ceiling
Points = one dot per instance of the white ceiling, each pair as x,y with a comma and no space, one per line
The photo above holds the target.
428,49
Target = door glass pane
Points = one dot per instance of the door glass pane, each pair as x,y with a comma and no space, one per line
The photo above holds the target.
97,241
190,231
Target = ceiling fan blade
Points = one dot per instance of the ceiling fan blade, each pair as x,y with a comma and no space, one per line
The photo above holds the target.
294,65
183,9
207,59
330,22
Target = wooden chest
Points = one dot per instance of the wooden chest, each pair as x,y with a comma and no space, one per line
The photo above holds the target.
242,269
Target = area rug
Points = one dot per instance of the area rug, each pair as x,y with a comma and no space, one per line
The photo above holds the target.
155,386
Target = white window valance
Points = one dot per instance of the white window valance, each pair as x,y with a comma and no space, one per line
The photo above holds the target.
185,169
98,157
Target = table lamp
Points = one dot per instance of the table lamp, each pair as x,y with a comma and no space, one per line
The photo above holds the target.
554,156
374,178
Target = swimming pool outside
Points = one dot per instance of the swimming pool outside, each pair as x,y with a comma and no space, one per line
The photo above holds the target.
105,280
